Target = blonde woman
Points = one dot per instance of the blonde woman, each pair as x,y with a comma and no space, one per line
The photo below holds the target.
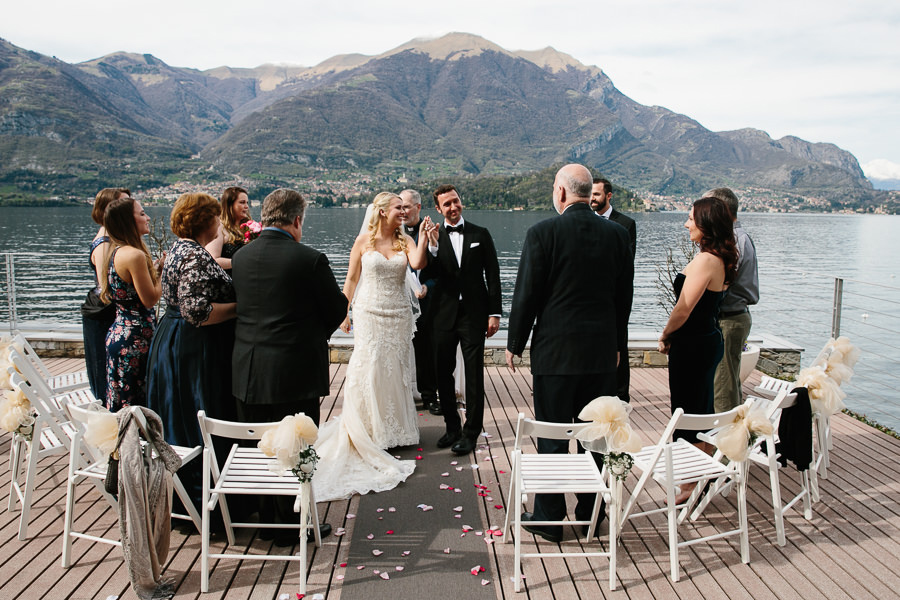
378,410
129,278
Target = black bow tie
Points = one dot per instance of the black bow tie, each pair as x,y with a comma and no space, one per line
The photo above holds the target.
456,229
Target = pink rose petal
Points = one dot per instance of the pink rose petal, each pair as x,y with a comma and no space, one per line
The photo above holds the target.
377,552
399,568
389,532
384,576
392,509
485,581
343,564
360,567
404,553
339,577
339,531
445,474
457,516
379,510
446,550
370,536
454,462
458,508
467,528
459,468
351,516
419,457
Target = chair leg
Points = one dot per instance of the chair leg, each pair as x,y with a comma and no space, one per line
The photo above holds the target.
742,514
615,500
186,501
775,484
70,509
30,474
807,500
314,518
510,505
15,468
673,532
304,519
204,527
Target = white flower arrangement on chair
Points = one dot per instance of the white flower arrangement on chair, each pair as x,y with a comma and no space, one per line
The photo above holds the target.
291,443
610,424
16,414
825,394
737,438
102,431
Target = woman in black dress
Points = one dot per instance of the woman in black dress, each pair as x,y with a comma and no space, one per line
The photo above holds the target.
691,337
190,359
96,318
229,237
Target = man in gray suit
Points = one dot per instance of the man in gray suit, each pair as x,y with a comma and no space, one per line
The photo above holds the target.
574,288
288,305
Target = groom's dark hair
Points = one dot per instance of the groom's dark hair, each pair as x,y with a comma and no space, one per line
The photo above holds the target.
443,189
281,207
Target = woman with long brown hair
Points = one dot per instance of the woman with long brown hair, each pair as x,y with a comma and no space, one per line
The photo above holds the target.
229,238
691,337
129,278
97,317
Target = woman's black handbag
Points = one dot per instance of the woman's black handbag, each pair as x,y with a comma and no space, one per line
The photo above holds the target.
112,474
94,308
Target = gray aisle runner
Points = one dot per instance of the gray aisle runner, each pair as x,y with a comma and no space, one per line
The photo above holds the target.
423,551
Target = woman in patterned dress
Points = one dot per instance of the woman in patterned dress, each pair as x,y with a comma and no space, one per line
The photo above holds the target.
190,360
130,279
229,237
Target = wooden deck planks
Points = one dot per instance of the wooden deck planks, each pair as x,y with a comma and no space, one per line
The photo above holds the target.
849,549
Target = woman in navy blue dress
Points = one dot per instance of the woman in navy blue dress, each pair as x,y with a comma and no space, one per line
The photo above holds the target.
130,280
691,337
190,361
95,323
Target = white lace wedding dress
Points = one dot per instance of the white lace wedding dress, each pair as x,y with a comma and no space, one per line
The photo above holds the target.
378,410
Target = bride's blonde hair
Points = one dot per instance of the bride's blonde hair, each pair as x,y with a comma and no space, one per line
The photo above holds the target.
382,202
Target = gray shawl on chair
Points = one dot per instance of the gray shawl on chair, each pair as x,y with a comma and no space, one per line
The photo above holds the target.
145,498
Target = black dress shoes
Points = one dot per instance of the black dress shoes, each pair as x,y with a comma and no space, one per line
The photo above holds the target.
324,532
448,439
434,407
551,533
464,446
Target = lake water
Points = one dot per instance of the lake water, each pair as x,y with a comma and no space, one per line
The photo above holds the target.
799,254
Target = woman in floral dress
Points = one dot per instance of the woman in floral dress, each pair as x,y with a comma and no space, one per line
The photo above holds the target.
190,360
130,279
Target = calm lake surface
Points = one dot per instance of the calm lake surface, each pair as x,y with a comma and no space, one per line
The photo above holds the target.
799,255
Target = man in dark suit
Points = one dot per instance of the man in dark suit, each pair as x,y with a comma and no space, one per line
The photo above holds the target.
467,306
601,194
575,281
423,342
289,304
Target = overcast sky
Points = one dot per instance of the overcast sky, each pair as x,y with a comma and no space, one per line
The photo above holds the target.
825,71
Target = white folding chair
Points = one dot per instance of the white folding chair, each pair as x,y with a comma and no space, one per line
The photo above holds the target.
677,463
769,387
56,383
764,453
246,472
52,435
87,463
558,473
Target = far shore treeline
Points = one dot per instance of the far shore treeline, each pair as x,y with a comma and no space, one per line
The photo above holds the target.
530,191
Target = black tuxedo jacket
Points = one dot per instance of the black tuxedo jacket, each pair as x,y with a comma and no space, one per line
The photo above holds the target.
628,223
288,305
574,287
476,279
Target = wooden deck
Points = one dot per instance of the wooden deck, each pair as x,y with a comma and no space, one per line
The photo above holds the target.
850,548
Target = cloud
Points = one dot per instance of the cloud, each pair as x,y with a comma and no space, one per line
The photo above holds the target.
881,168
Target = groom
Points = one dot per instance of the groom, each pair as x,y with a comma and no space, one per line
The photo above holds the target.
466,305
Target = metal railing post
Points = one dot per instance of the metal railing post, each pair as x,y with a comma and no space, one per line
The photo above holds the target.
836,307
11,291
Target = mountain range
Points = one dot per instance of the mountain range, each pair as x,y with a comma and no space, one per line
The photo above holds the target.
454,106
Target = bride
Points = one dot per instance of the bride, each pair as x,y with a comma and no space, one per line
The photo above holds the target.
378,410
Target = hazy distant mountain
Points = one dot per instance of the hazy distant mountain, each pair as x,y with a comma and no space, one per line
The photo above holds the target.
438,107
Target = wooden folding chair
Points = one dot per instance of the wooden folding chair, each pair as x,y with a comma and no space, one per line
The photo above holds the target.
247,472
554,474
673,463
87,463
763,452
57,384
